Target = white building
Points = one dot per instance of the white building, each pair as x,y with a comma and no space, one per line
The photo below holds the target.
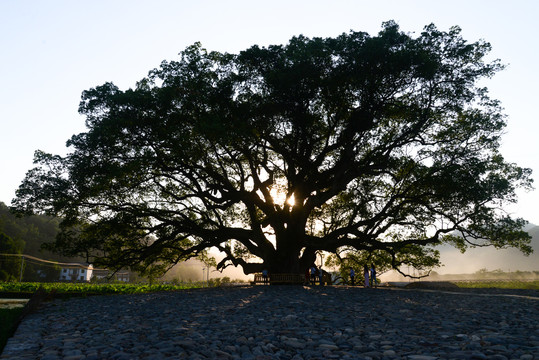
76,273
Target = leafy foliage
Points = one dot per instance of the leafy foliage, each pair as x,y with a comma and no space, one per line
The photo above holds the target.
88,289
380,144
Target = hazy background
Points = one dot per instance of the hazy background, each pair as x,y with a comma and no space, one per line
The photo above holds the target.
50,51
478,258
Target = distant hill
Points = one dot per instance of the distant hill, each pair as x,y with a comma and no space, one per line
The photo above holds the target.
534,232
489,258
30,233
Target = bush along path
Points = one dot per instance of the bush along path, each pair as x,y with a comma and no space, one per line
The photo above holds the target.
81,289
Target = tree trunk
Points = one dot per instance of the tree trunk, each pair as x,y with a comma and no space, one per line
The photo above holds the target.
286,259
285,262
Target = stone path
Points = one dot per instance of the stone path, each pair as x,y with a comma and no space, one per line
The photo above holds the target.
283,322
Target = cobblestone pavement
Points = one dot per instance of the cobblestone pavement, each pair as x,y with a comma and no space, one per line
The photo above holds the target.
284,322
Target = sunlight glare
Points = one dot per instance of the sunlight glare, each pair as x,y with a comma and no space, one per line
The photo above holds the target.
291,201
279,197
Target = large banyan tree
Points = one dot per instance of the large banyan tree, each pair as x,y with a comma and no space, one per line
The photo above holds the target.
367,143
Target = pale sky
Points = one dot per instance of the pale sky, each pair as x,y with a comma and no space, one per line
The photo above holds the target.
50,51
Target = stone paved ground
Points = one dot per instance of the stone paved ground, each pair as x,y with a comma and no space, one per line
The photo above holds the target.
284,322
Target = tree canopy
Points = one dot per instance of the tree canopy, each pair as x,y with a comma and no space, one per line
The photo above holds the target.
382,143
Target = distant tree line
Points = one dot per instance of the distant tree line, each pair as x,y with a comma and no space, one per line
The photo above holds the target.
485,274
26,235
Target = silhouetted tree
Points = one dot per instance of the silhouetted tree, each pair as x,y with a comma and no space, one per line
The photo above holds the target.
360,142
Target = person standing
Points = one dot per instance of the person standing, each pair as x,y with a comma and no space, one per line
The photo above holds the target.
265,276
313,275
366,275
352,276
373,276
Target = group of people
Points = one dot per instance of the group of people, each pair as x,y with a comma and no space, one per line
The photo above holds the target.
368,274
314,274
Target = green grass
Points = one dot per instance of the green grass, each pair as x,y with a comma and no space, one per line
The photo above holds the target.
8,319
512,284
92,289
